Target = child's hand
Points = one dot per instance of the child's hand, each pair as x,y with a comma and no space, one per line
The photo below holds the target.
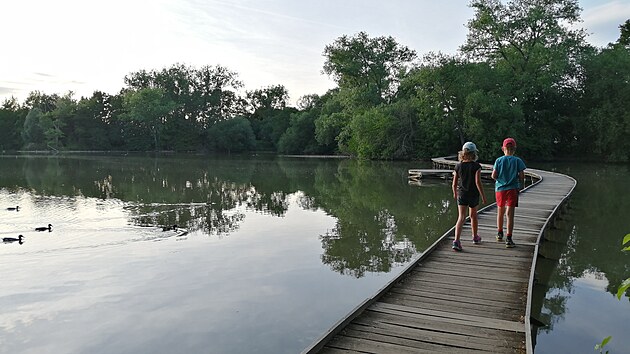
483,198
454,195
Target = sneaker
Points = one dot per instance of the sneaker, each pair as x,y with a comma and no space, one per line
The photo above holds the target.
457,246
476,240
500,236
509,243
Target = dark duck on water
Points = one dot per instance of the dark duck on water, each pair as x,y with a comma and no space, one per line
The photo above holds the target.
170,228
13,239
44,228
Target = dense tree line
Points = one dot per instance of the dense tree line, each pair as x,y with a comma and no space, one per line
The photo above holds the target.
524,71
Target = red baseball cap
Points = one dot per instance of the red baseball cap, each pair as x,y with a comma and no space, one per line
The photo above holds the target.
509,141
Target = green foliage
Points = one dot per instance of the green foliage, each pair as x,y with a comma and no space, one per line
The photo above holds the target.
624,36
270,118
538,49
600,347
12,117
273,97
87,129
605,124
622,289
232,135
32,133
626,283
369,67
299,138
147,108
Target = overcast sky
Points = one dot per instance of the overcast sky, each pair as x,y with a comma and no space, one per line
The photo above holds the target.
83,45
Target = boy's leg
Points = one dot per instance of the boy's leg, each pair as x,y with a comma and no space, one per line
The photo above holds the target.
500,214
512,204
510,219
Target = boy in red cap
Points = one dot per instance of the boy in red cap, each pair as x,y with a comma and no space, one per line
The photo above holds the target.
509,177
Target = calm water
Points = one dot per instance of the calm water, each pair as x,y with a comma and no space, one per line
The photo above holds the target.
278,250
585,265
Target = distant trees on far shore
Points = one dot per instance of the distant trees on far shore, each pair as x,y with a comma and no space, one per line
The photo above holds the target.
525,71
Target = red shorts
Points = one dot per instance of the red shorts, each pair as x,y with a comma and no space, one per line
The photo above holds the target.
507,198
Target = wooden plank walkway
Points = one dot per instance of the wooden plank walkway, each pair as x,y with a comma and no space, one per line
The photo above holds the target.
474,301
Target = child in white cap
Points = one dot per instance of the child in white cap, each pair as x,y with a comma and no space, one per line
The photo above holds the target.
467,188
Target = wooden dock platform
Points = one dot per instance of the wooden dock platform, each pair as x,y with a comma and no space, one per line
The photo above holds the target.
474,301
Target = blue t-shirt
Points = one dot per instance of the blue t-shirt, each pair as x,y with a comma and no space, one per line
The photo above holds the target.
508,168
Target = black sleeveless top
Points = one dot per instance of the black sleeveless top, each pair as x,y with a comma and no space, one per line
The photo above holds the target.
466,172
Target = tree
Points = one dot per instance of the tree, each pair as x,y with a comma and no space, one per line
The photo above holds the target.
89,129
299,138
269,115
534,42
605,123
216,89
272,97
147,108
368,67
232,135
32,132
12,116
201,96
45,103
624,37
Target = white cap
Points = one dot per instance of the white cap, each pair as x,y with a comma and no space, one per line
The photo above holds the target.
469,146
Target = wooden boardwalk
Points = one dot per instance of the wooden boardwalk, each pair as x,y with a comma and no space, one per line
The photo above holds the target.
474,301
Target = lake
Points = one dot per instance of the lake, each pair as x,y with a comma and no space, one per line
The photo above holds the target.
268,253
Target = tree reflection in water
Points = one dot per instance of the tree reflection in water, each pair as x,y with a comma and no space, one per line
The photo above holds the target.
381,220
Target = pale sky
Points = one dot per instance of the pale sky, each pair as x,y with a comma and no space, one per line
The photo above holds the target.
85,45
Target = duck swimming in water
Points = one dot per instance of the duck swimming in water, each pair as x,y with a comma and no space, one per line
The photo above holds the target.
13,239
44,228
170,228
17,208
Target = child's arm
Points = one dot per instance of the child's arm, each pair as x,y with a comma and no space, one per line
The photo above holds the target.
521,179
494,174
455,178
480,185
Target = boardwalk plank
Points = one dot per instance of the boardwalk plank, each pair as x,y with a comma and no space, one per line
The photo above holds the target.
371,346
469,297
474,273
482,321
453,339
441,324
500,310
364,332
328,350
418,278
464,268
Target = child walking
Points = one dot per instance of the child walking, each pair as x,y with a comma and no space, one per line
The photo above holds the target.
467,188
509,178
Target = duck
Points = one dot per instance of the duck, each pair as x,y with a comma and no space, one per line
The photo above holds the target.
17,208
170,228
13,239
44,228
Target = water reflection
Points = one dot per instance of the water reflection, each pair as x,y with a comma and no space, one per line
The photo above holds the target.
247,277
381,223
584,253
